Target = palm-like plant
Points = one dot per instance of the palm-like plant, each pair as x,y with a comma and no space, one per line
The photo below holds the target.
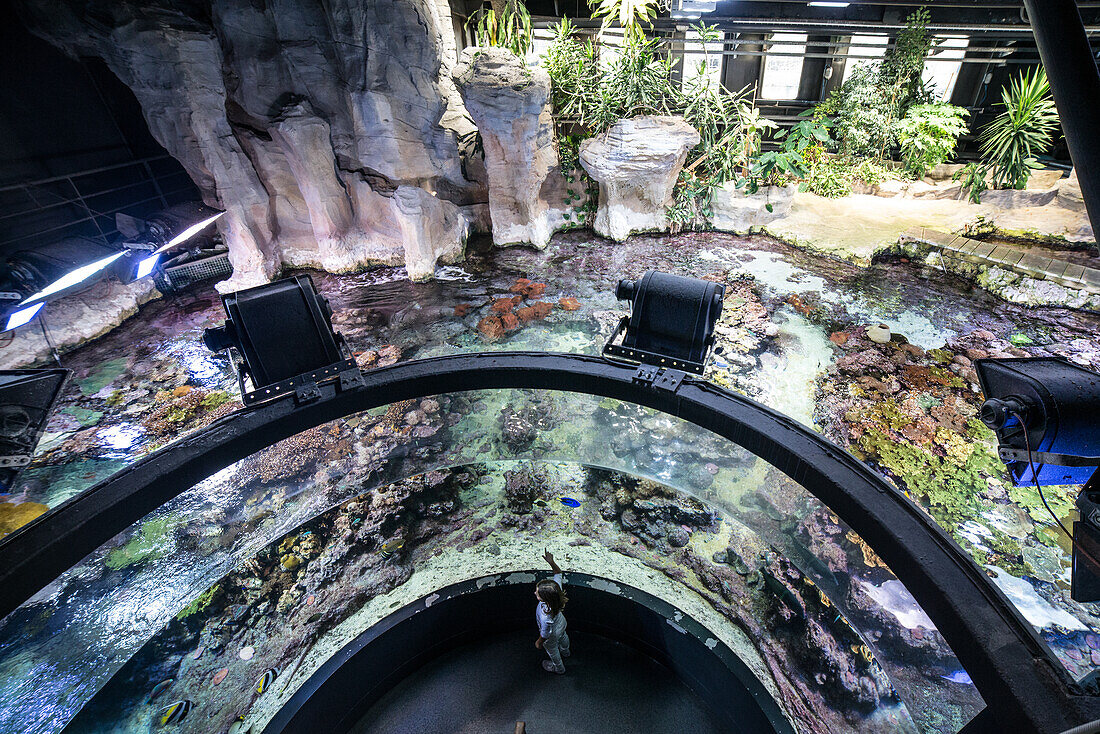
509,28
1022,131
631,14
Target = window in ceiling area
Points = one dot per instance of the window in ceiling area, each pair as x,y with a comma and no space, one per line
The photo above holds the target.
693,57
782,72
873,46
943,65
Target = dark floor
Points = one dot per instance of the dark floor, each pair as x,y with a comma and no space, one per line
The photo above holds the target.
486,687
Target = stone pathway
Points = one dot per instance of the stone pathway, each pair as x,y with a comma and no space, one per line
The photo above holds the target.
1009,257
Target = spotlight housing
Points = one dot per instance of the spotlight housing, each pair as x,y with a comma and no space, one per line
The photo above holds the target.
283,333
26,399
1059,404
671,322
1046,413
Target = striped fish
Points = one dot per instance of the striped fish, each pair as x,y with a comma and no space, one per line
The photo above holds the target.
391,547
174,713
266,680
158,689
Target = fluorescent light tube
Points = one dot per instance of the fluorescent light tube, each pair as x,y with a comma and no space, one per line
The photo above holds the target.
146,266
23,316
77,276
190,232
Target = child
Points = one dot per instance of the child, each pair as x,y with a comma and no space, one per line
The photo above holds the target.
552,636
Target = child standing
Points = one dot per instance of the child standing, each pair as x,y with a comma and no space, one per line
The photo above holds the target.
552,635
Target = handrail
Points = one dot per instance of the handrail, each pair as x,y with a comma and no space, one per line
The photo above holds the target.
1009,663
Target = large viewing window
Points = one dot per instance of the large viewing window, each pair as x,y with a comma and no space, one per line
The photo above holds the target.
782,68
693,56
862,46
945,62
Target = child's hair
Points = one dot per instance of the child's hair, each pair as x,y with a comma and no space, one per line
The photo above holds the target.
554,596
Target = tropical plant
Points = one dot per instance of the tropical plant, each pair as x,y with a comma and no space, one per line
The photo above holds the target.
630,14
864,115
974,180
810,129
510,28
928,135
574,70
639,81
1022,131
900,75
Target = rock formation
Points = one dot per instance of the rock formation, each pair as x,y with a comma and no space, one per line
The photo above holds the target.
735,211
316,126
636,163
510,102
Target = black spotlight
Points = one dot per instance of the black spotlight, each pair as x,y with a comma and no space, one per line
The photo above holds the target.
1046,413
283,332
671,322
26,399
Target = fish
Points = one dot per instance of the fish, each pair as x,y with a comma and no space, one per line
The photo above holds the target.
389,548
863,651
959,676
237,727
570,502
174,713
266,680
540,503
784,594
159,688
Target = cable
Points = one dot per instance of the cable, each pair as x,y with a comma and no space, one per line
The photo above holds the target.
1039,489
46,336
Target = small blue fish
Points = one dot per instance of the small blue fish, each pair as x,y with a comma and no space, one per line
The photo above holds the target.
266,680
158,689
959,676
570,502
174,713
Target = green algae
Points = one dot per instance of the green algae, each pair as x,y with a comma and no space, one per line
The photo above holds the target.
201,602
147,544
83,416
103,375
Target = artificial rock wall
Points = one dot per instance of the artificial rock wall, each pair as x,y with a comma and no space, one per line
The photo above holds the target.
326,129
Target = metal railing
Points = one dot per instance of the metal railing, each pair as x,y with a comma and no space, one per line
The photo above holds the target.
84,203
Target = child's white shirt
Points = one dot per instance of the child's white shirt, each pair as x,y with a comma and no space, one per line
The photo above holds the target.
547,624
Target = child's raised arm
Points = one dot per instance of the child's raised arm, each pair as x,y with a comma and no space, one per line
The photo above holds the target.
549,558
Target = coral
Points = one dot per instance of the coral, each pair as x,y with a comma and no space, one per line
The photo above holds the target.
181,410
15,516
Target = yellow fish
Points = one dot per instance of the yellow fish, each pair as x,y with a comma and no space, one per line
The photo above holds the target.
266,680
174,713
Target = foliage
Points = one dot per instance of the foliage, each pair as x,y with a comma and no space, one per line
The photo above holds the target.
832,176
574,70
630,14
639,81
900,75
777,167
1022,131
928,134
870,103
974,180
511,30
691,202
811,129
864,115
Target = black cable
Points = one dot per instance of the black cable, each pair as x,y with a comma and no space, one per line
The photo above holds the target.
46,336
1039,489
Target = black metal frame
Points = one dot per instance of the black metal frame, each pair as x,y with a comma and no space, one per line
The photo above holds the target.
1009,663
358,675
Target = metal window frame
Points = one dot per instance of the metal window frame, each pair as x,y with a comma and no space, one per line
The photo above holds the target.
1010,664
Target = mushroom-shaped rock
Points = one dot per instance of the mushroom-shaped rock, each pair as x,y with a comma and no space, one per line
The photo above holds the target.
510,102
636,163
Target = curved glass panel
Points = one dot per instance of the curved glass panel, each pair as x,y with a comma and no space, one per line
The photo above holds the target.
786,313
228,572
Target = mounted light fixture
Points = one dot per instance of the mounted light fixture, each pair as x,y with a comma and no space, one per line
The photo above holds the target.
283,333
1046,414
26,399
671,322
